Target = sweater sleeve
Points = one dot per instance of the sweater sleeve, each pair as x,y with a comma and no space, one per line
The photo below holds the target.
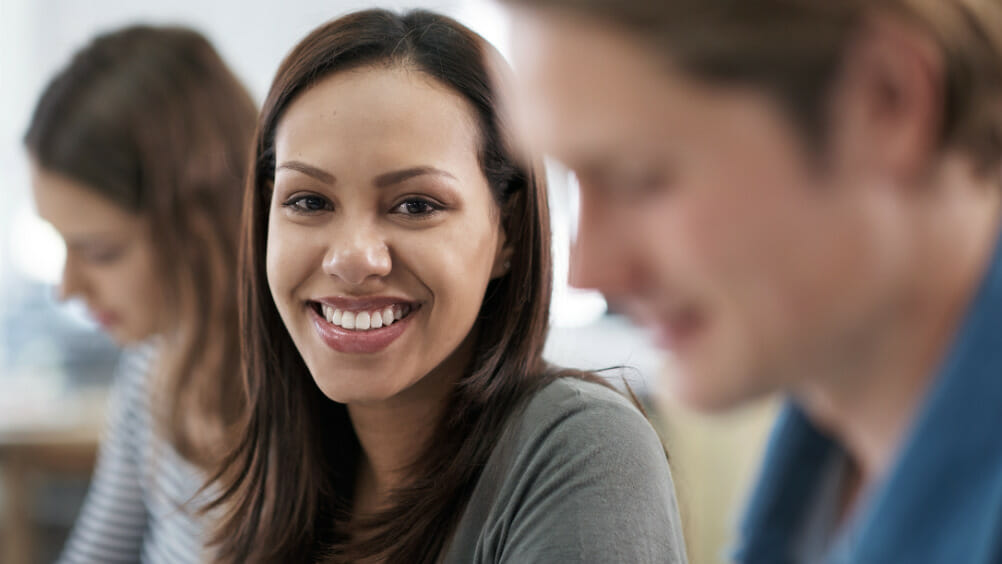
113,519
594,487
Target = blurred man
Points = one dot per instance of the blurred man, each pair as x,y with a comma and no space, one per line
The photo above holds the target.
803,196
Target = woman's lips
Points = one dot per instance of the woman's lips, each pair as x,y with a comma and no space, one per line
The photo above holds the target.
105,319
356,341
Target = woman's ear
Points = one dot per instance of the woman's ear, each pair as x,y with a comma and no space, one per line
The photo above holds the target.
502,257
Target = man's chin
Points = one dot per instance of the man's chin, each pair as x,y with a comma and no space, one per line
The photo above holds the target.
707,391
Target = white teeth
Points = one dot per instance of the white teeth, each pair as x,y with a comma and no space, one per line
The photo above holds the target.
348,320
365,320
401,311
362,321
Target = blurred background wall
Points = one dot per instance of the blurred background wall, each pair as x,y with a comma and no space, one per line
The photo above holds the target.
55,365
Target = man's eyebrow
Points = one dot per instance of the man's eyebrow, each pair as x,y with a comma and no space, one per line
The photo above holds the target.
308,170
398,176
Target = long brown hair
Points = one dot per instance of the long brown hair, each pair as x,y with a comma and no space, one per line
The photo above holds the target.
287,487
153,120
793,50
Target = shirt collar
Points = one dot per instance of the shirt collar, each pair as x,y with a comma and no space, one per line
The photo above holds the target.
948,475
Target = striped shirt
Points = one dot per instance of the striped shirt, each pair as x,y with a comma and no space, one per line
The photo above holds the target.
134,510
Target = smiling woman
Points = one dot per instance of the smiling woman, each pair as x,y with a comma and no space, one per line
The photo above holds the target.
408,183
395,301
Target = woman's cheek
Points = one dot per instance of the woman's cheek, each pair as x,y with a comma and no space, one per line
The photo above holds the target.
288,259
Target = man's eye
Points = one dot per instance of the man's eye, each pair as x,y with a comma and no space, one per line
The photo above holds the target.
307,204
642,183
417,207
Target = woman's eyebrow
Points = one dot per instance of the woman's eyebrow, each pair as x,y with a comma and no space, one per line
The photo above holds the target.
381,181
398,176
308,170
94,240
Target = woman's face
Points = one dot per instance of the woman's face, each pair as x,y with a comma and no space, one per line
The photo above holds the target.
109,256
383,233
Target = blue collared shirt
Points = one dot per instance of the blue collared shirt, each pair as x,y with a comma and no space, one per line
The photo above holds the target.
941,502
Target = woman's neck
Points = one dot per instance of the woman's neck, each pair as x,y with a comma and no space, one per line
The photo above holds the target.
394,432
392,436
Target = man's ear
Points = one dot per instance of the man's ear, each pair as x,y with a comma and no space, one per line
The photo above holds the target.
887,102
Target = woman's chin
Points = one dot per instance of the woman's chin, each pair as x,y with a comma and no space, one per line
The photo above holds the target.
123,337
356,390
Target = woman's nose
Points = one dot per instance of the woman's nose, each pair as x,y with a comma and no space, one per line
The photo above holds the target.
358,256
72,283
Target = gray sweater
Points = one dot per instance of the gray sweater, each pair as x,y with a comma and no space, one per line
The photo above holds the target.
578,477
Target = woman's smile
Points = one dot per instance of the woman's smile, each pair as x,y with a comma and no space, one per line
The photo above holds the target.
378,201
360,326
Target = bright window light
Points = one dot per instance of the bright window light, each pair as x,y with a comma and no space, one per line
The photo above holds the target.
489,19
36,249
571,307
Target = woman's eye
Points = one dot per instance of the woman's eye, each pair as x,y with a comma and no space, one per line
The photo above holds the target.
417,207
105,256
307,204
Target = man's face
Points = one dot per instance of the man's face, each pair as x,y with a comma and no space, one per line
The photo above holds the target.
703,216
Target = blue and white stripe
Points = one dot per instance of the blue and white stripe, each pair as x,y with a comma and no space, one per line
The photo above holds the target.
135,508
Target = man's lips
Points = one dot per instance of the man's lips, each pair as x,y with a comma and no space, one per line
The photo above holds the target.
671,328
